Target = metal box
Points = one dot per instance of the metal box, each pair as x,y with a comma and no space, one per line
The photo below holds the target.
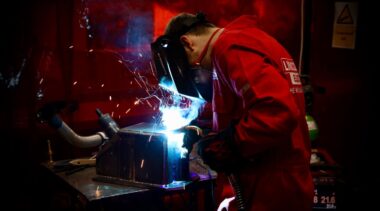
142,154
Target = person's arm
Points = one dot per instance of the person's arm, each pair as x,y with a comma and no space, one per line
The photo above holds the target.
270,112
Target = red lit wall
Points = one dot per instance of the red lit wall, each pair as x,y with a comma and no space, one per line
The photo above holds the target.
95,54
346,110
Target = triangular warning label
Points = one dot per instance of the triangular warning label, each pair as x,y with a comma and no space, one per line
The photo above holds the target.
345,16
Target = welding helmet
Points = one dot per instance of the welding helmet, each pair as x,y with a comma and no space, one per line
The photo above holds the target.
172,68
170,60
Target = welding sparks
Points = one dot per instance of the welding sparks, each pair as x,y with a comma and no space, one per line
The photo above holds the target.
175,141
180,114
168,85
172,118
150,105
152,69
177,115
174,112
138,83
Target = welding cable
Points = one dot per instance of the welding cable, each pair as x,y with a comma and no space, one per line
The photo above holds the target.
238,192
212,188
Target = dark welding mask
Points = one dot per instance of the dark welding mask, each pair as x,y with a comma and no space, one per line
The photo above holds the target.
171,64
172,68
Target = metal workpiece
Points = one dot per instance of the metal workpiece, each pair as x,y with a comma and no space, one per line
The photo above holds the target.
144,153
83,182
87,191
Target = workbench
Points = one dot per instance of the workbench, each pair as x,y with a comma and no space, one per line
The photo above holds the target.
77,189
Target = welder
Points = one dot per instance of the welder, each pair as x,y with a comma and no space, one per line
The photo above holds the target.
259,132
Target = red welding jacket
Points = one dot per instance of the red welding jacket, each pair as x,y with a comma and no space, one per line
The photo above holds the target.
256,82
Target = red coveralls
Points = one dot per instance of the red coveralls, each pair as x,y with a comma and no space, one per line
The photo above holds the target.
256,82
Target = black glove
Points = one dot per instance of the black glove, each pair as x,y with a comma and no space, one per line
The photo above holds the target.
219,151
191,137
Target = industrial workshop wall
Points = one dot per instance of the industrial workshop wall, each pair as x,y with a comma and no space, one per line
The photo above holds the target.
95,54
344,95
89,54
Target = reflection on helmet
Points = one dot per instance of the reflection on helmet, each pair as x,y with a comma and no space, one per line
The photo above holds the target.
172,67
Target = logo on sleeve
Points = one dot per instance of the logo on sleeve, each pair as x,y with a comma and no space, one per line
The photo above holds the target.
295,78
290,69
288,65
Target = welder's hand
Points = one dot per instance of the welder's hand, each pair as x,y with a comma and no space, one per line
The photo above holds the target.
219,151
192,135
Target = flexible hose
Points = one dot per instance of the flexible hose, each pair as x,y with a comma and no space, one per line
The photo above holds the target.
238,191
80,141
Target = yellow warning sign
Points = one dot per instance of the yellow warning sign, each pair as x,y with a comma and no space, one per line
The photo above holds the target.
344,31
345,16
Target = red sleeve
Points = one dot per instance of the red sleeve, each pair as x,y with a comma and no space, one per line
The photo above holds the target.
269,111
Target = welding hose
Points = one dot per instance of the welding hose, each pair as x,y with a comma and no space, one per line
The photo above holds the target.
238,191
73,138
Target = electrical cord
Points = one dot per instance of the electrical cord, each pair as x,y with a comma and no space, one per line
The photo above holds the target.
212,188
238,191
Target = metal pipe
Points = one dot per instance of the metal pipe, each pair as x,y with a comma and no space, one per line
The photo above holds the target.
73,138
80,141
